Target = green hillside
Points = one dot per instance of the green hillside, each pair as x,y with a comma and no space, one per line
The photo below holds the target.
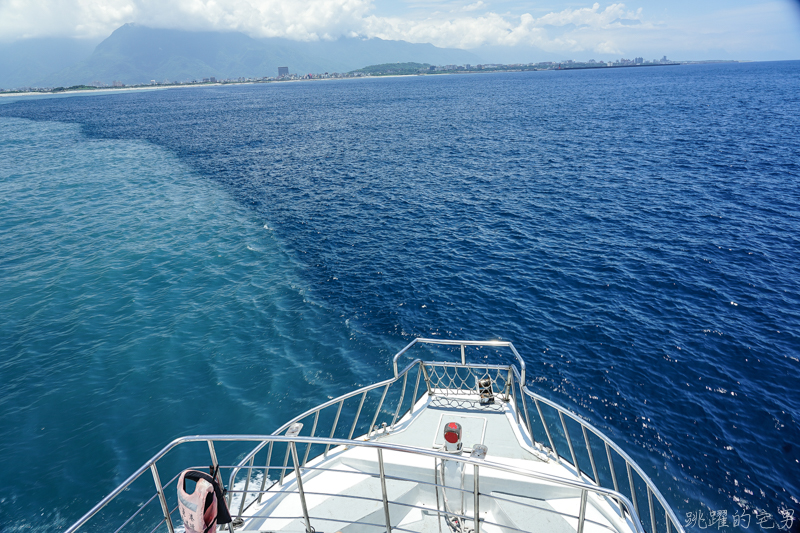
394,68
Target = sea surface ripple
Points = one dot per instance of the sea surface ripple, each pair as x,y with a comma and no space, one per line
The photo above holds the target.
633,231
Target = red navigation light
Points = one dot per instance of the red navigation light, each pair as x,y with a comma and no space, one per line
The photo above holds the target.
452,433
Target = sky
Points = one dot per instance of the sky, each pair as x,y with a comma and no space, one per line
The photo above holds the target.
532,30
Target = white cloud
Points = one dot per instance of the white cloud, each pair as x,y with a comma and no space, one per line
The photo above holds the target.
298,19
583,28
312,20
589,16
613,29
472,7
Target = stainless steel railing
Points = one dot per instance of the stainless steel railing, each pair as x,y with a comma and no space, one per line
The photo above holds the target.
293,483
506,381
462,345
338,404
558,432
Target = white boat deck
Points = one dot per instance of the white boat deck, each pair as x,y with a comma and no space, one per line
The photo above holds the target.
492,425
311,476
348,490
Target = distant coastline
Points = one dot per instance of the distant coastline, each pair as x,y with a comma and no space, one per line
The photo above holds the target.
388,70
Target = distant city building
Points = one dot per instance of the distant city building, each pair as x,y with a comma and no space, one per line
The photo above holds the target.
283,72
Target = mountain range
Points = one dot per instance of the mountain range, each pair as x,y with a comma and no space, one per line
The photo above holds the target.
136,54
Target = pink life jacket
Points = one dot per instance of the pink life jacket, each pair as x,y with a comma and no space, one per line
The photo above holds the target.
201,509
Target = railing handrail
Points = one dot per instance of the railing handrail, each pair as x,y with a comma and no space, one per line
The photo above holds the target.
628,459
318,409
263,440
520,375
576,484
463,344
343,397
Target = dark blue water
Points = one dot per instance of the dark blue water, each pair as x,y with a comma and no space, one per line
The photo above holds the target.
635,233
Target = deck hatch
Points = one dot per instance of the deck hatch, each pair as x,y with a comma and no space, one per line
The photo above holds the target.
473,429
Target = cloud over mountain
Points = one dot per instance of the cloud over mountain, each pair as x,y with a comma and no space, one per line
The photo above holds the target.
470,26
494,29
616,28
136,54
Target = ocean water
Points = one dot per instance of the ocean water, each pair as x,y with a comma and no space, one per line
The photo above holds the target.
186,261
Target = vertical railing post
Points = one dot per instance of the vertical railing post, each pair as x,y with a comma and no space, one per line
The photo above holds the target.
333,429
523,394
285,462
378,410
591,455
427,379
669,522
215,462
266,471
477,528
546,429
633,490
358,413
162,497
215,468
569,442
520,361
246,485
652,511
300,486
436,487
514,395
582,514
613,477
416,388
313,430
402,397
611,467
463,356
383,492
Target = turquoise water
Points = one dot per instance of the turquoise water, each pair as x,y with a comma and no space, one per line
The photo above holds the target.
217,260
145,304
